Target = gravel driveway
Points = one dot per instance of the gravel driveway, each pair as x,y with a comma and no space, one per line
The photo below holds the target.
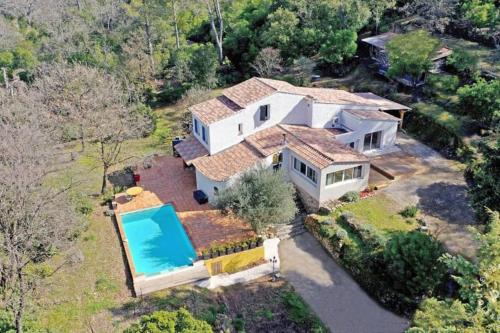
331,292
441,194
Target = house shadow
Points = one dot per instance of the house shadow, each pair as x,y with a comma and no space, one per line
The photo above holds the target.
448,202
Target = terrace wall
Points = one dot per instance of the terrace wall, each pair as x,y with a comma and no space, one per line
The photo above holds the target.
234,262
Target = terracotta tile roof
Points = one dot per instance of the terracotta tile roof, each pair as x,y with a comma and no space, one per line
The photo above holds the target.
372,115
382,103
268,141
229,162
249,91
323,141
214,109
238,97
190,149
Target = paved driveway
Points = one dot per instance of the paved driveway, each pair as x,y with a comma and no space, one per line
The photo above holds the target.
441,193
331,292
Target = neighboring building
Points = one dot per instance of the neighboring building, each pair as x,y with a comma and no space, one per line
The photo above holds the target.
379,55
317,135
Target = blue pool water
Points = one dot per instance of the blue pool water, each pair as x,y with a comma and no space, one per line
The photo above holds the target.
157,240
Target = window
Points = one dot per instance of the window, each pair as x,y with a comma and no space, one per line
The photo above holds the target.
357,172
311,174
195,125
305,170
352,145
372,140
329,178
204,133
296,164
339,176
240,128
264,112
343,175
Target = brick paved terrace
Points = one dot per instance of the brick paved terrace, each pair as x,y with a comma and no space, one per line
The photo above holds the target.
206,228
168,181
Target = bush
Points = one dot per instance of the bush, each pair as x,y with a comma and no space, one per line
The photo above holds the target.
481,101
463,62
180,321
412,263
409,211
300,313
350,197
444,83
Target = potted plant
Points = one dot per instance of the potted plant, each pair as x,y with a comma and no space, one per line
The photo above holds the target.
229,248
237,247
205,254
221,249
253,243
246,245
260,241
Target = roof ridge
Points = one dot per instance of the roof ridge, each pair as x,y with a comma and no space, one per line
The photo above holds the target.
260,79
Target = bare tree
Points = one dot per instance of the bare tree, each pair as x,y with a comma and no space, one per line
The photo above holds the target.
35,219
268,62
73,93
217,25
176,23
116,124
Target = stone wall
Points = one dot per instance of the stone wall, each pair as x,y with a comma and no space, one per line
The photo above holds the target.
311,205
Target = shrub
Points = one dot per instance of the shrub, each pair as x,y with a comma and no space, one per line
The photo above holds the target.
409,211
261,196
413,265
481,101
300,313
463,62
350,197
180,321
444,83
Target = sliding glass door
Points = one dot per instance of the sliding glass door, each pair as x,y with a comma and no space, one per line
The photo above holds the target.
372,140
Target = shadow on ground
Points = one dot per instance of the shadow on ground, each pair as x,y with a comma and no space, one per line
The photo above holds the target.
331,292
446,201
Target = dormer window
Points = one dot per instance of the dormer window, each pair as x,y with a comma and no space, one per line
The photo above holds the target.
265,111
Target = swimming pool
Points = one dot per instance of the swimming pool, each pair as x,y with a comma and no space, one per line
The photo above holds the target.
157,240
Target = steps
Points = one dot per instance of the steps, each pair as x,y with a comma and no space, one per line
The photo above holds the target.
292,229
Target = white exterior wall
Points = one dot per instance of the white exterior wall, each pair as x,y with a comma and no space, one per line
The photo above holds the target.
336,190
285,109
299,179
322,114
361,127
199,134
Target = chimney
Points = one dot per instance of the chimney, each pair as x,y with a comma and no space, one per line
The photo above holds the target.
284,139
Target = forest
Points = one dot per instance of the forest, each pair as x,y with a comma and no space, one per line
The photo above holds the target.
93,74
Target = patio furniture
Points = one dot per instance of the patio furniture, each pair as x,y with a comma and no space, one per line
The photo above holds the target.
200,197
134,191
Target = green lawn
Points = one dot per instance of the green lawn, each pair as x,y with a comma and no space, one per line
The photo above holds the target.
379,211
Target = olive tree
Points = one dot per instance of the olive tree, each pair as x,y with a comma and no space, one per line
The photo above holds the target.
262,196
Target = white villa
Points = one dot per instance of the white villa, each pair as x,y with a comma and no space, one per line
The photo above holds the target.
318,136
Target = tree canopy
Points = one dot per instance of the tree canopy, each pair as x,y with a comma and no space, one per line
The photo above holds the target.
410,54
262,196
